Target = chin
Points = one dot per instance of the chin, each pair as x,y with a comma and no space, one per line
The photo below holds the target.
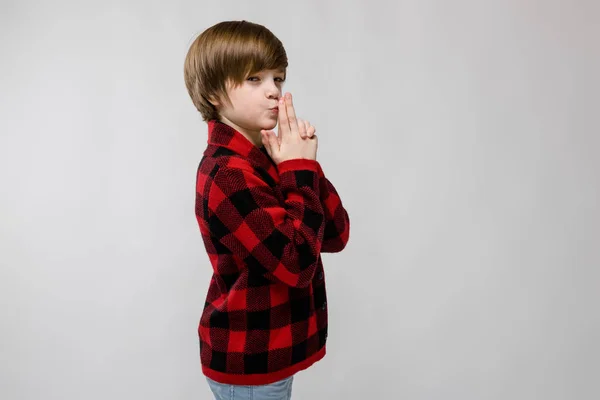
269,125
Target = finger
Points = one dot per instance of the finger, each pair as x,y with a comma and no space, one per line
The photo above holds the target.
265,141
278,134
283,122
291,115
273,144
310,130
302,128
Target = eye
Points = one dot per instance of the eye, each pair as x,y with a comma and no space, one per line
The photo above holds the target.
256,79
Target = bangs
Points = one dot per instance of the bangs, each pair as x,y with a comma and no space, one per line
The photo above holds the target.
250,52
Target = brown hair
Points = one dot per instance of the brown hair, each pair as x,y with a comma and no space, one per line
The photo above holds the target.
228,52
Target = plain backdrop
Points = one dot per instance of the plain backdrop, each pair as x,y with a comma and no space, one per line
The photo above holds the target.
462,136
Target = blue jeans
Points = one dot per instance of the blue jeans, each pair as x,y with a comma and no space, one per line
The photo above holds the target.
280,390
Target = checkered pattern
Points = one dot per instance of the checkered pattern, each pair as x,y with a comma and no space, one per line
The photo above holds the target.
264,228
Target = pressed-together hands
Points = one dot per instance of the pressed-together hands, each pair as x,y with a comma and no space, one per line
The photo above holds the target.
295,138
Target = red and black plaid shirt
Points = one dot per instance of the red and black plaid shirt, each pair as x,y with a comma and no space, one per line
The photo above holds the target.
264,227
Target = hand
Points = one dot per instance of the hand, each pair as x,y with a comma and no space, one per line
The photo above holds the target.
289,143
309,132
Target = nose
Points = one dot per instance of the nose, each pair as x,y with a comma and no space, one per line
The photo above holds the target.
273,91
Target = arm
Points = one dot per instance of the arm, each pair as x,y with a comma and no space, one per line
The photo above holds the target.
337,222
282,243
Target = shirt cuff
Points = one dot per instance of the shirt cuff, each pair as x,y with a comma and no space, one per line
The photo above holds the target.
298,164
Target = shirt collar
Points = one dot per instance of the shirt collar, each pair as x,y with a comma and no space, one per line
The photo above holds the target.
223,135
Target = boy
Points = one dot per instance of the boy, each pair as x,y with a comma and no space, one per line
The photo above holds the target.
265,212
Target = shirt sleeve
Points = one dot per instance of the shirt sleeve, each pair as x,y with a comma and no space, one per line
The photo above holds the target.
246,217
337,222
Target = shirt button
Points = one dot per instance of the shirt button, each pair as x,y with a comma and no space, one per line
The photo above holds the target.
324,305
320,275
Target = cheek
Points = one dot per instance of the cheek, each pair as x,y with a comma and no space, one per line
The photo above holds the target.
245,100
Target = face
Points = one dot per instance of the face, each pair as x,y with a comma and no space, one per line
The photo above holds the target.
253,104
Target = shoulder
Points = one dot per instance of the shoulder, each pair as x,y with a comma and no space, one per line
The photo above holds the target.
222,162
231,174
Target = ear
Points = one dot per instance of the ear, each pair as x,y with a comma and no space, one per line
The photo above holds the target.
212,100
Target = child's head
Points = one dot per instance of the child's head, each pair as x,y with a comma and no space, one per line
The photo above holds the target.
234,71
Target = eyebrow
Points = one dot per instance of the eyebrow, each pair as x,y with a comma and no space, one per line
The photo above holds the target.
277,71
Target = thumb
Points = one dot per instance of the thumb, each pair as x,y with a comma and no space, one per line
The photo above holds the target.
267,141
273,142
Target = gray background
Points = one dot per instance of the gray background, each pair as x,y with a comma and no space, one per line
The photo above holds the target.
461,135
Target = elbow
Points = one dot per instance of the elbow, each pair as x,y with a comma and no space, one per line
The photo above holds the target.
300,272
339,243
300,280
334,247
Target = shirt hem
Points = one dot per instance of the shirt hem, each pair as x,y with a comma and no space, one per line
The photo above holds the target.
262,379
